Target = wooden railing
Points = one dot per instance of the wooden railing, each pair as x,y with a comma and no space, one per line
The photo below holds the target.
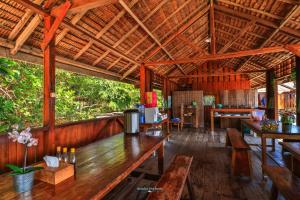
73,134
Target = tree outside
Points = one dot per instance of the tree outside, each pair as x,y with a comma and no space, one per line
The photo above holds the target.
78,97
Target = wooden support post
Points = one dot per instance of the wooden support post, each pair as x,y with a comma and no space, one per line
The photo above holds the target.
271,93
142,83
49,89
298,90
149,78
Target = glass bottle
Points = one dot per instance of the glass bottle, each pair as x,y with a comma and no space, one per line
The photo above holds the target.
72,157
65,156
58,153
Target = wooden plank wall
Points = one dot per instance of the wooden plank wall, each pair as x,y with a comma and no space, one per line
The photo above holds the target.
209,83
68,135
238,98
186,98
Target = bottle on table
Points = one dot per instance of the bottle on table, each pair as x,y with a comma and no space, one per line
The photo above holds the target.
65,157
72,157
58,153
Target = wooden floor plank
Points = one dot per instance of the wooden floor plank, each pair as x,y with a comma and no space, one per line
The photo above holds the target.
210,170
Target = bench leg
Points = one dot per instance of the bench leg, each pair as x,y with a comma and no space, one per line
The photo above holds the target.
160,157
190,188
274,193
240,162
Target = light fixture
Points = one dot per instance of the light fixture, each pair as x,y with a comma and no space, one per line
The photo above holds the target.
208,40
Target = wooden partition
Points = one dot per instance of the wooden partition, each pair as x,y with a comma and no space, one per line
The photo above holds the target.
73,134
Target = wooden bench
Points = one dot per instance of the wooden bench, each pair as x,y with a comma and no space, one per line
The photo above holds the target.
283,181
171,184
240,158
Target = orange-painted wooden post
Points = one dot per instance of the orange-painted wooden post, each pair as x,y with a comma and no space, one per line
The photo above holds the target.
49,90
298,89
142,83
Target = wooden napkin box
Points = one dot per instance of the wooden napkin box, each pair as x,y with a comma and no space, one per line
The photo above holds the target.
54,175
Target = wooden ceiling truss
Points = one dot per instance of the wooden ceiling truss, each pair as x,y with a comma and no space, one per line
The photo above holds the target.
113,37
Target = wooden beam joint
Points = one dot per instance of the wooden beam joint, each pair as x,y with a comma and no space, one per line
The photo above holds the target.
59,13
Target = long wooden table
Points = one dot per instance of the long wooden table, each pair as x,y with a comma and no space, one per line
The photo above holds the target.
100,167
292,133
227,110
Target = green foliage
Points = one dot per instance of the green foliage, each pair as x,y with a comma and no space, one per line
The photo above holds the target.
5,67
19,170
78,97
293,74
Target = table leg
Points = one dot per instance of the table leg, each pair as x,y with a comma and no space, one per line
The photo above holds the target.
263,154
273,144
212,126
160,157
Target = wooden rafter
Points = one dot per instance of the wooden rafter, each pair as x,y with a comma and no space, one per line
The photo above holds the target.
83,5
74,21
217,74
147,30
251,52
241,33
295,51
104,30
180,31
26,51
130,32
33,6
212,31
27,15
61,13
26,33
251,9
85,34
290,14
145,37
192,45
261,22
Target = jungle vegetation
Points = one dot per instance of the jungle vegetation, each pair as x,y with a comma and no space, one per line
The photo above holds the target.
78,97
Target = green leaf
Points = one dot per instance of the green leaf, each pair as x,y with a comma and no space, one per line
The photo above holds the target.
14,168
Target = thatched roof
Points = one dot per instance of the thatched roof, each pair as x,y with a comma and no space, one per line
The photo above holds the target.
152,30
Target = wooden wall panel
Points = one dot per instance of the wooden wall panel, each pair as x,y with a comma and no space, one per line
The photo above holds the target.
68,135
215,83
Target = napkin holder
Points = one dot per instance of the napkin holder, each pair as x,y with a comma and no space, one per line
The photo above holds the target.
54,175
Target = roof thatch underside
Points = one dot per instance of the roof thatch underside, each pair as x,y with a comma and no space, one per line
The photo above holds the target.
266,23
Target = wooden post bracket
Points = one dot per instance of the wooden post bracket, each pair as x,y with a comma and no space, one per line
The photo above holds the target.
59,13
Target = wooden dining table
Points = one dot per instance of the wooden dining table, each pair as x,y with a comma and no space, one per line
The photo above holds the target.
291,132
100,167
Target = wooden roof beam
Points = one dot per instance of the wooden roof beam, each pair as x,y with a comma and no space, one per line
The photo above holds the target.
217,74
156,28
260,21
241,33
83,5
74,21
188,24
291,13
130,32
146,29
28,13
212,30
295,51
26,33
251,52
34,7
34,52
251,9
104,30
